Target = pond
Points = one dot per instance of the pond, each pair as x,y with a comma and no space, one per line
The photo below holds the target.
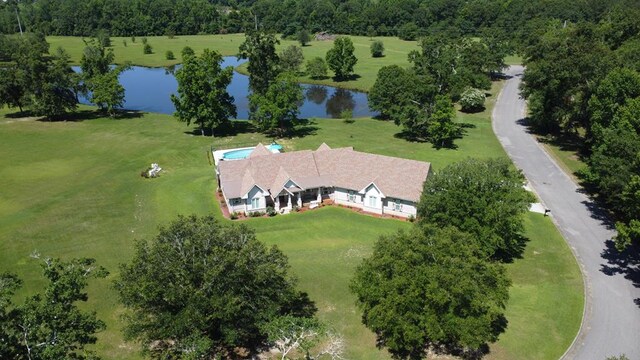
149,90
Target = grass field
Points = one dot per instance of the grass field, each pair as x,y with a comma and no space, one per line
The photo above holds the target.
366,69
73,189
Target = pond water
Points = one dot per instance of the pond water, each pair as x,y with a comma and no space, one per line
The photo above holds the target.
149,90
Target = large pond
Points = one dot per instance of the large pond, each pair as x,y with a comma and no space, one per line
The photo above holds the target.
149,89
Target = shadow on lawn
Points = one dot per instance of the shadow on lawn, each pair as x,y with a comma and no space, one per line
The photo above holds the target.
626,263
304,128
84,115
449,144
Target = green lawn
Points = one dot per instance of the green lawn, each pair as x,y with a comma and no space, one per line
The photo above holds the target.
73,189
366,69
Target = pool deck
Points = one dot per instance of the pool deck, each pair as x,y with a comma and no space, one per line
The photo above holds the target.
219,154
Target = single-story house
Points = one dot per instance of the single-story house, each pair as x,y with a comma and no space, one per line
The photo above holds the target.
374,183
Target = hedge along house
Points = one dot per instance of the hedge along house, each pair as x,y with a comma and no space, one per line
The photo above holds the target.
374,183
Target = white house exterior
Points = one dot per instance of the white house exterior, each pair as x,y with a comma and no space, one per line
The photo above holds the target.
374,183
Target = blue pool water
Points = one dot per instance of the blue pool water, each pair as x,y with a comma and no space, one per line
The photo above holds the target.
244,153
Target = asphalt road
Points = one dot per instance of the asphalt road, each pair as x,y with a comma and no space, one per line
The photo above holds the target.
611,324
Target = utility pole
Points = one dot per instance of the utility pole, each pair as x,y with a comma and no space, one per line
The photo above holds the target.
18,17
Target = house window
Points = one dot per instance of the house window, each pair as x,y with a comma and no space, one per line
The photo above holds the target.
255,203
372,201
352,196
235,201
397,205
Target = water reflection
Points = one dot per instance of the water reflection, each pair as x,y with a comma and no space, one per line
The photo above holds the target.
316,94
340,101
150,89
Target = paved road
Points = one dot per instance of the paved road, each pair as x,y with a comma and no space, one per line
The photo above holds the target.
611,325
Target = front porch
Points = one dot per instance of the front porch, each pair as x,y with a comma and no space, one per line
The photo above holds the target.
293,196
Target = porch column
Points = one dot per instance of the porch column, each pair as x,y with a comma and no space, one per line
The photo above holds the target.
277,203
289,201
319,195
245,206
299,202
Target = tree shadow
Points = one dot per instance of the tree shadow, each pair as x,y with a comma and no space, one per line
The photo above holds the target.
351,77
84,115
598,212
516,250
19,114
625,262
305,127
231,128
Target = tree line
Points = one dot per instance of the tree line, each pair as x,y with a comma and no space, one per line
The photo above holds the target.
408,19
45,84
582,82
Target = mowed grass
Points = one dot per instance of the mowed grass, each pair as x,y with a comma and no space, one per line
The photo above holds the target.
396,52
73,189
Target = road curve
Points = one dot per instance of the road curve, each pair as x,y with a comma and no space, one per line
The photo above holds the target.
611,323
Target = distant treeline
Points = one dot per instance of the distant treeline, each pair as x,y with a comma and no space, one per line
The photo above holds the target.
405,18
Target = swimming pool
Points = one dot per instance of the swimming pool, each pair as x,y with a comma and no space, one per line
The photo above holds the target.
244,153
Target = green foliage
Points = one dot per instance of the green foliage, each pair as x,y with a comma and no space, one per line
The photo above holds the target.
207,287
187,51
260,49
50,325
103,38
12,87
202,91
394,89
53,91
562,67
408,31
96,59
472,100
428,288
147,49
377,49
316,68
144,40
484,198
340,58
291,59
303,37
276,111
169,55
107,92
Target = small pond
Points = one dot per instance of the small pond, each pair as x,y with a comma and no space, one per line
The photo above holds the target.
149,90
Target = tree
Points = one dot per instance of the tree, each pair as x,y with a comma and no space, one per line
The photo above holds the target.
106,90
260,49
291,59
12,87
53,92
472,100
377,49
96,59
441,130
316,68
202,91
303,37
408,31
49,325
204,288
169,55
429,288
394,88
147,48
276,111
340,58
484,198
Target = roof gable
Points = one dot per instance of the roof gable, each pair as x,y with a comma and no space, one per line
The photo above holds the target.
260,150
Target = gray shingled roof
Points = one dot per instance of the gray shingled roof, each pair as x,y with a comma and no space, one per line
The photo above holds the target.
341,167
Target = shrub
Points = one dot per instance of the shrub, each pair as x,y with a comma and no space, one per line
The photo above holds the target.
347,116
124,42
295,208
271,211
317,68
133,39
148,49
169,55
171,33
233,215
144,40
256,214
411,218
377,49
472,100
